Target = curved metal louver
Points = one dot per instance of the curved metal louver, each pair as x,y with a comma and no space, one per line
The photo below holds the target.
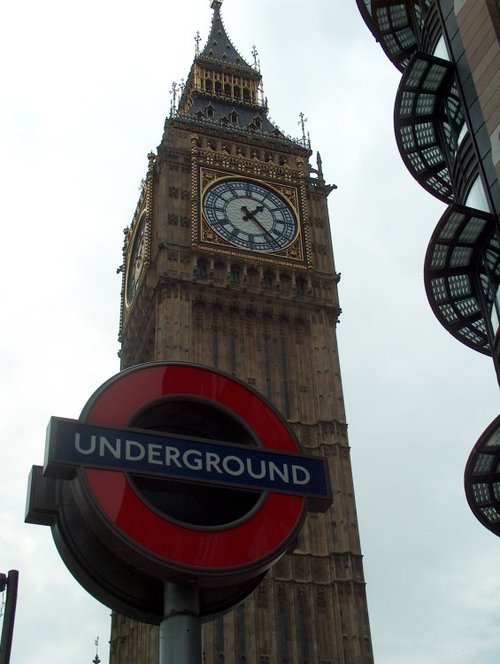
393,24
462,274
482,478
428,119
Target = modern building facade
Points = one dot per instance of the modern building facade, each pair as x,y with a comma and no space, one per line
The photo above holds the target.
228,263
447,125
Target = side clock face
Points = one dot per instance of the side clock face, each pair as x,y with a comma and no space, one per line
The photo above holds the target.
136,260
249,215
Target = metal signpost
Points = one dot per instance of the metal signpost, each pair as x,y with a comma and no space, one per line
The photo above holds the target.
9,583
173,494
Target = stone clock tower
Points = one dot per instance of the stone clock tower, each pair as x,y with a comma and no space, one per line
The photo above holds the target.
228,263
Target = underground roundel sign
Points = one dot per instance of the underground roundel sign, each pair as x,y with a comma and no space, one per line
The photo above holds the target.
174,472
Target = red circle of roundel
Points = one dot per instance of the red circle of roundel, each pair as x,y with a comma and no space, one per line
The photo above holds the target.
238,545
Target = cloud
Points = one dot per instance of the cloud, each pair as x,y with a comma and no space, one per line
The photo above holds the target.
85,95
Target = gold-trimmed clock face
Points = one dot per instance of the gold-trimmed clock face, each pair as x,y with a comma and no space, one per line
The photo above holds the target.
249,215
136,260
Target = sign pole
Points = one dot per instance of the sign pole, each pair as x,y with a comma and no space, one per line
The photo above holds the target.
10,582
180,629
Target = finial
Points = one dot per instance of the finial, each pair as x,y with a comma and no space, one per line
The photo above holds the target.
262,97
197,39
173,103
319,163
216,5
302,123
96,659
255,53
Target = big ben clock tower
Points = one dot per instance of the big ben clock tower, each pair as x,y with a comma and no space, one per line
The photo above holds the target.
228,263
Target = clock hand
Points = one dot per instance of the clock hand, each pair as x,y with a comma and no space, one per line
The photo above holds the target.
264,231
249,215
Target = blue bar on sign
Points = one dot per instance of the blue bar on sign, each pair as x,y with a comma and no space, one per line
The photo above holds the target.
72,443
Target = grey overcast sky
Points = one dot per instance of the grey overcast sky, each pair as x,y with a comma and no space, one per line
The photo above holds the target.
84,95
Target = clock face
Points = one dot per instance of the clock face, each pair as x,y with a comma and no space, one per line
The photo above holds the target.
249,215
136,260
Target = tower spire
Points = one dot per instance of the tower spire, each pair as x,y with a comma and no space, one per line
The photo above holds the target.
219,47
224,89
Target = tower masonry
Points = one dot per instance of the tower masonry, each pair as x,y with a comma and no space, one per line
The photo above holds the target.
228,263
